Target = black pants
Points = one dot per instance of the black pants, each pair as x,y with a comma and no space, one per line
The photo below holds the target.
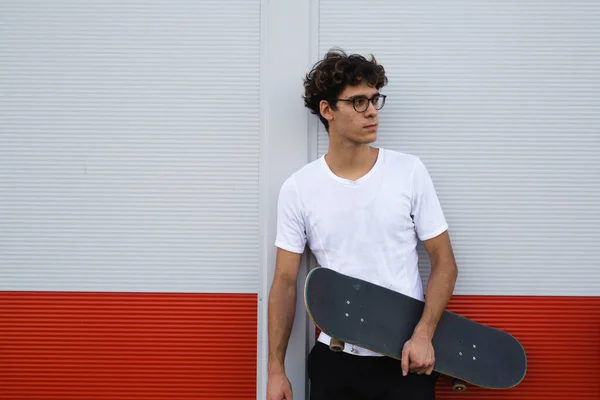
345,376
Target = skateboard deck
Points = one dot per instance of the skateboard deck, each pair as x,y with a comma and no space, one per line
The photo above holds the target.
367,315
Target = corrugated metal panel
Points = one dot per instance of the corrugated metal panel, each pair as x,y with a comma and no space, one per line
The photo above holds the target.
501,100
561,336
127,346
129,145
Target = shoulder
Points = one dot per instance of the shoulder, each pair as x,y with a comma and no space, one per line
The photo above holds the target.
307,176
295,187
400,161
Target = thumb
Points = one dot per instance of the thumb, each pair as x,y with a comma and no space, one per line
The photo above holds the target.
288,394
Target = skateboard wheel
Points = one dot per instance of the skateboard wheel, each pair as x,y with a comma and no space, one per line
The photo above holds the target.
458,385
336,345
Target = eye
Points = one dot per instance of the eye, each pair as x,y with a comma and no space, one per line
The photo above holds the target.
360,101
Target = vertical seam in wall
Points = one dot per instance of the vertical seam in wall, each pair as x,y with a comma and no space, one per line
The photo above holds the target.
313,150
263,186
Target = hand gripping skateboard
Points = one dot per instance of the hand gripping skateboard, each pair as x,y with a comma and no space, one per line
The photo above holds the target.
364,314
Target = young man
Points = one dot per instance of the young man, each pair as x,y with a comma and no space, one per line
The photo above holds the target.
361,210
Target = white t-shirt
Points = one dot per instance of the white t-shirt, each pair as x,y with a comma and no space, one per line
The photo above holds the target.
368,228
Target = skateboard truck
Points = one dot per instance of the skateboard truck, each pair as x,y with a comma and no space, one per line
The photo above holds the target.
458,385
336,345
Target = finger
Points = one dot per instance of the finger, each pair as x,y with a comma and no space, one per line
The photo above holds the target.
429,370
416,368
421,371
404,362
288,395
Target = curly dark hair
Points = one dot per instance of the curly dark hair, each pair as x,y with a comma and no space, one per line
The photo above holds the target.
330,76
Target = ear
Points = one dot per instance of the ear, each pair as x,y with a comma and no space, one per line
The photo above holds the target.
326,110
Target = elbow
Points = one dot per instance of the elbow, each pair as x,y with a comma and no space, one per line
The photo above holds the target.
451,267
447,267
285,280
454,268
454,272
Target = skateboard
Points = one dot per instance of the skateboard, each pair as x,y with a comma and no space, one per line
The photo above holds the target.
361,313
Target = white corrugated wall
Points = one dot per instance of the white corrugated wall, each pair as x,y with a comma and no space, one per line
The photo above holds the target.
129,145
501,100
130,190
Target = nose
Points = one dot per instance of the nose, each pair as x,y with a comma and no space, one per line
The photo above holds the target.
371,110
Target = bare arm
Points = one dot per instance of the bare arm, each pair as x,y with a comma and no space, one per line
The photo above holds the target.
418,354
441,283
282,307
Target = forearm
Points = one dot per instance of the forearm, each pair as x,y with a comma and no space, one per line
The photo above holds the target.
439,291
282,308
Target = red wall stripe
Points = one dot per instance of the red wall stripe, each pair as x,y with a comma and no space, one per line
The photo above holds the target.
174,346
127,346
561,336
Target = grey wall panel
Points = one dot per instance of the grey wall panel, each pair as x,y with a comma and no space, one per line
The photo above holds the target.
129,145
501,100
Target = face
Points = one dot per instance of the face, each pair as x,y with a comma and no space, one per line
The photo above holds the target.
347,124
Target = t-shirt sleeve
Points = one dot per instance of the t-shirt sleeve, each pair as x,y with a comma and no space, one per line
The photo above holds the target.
291,231
427,212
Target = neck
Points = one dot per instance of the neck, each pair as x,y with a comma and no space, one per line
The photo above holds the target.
350,160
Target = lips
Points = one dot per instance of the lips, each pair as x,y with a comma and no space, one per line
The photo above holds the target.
370,126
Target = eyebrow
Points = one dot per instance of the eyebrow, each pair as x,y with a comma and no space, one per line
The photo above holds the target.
364,95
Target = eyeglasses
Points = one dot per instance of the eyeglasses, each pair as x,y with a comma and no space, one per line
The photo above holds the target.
361,103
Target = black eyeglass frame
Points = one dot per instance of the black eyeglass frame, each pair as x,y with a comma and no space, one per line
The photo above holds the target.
352,100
